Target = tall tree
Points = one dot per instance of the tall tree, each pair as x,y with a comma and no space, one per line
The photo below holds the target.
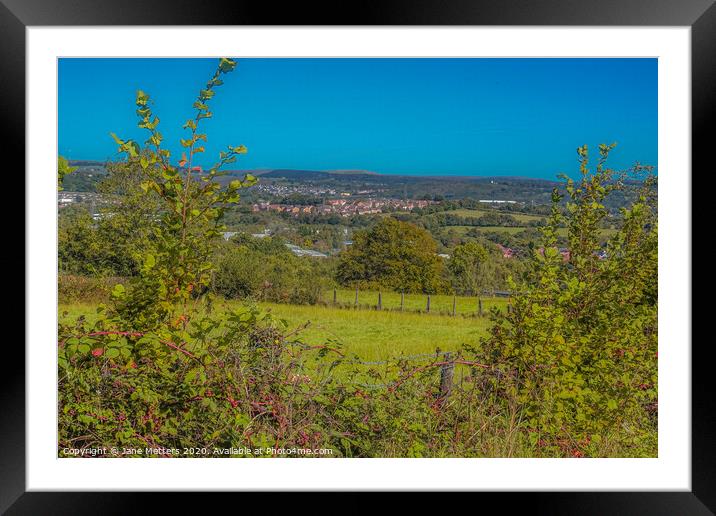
393,255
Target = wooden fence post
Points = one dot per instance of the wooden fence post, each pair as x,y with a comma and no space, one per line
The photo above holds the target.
454,299
446,375
428,305
380,301
334,296
356,302
402,300
509,308
479,306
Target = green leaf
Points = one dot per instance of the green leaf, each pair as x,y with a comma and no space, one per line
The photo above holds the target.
112,353
226,65
142,98
132,148
118,290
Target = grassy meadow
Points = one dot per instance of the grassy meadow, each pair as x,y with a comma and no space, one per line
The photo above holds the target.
371,334
380,335
521,217
562,232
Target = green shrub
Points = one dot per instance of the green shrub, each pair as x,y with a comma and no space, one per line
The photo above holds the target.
207,385
264,269
78,289
578,352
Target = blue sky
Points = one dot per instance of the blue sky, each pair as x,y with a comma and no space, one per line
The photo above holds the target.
522,117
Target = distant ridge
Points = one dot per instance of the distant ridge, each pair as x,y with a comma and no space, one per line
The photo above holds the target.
85,163
309,174
350,174
290,173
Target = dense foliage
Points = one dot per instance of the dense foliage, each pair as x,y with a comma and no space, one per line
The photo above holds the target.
63,169
265,270
115,240
392,255
579,351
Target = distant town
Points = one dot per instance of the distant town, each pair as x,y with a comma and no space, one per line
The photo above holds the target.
317,212
344,207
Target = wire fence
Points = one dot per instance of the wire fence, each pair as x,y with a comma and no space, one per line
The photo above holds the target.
444,360
477,305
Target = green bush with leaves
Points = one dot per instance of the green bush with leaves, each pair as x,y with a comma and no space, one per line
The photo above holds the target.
392,255
476,267
266,270
63,169
73,288
578,352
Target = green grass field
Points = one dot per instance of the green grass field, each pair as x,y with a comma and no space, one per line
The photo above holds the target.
521,217
605,233
371,334
505,229
380,335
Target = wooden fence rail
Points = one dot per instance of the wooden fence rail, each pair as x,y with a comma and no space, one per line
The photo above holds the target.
429,304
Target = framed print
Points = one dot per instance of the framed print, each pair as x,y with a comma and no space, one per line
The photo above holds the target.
444,248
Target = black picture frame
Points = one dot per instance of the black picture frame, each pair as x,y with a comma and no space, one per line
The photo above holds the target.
700,15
